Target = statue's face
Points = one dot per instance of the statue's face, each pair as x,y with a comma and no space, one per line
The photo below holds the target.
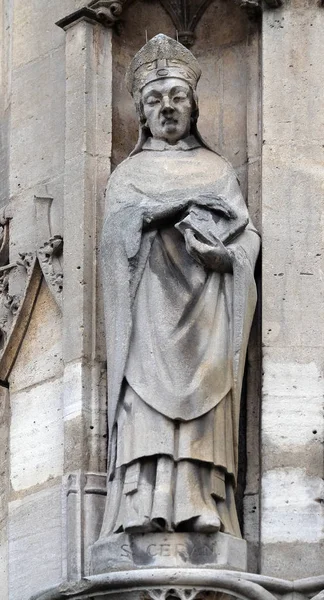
167,105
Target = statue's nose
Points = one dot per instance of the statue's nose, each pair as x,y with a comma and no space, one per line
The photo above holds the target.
167,108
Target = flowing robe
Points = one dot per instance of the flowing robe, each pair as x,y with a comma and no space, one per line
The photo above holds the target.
176,342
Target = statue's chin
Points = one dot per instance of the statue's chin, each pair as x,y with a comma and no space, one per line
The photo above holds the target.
171,135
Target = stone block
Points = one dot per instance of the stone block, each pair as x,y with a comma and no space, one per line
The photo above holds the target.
36,435
4,589
156,550
4,158
293,295
40,356
35,543
292,507
293,74
30,40
297,559
4,490
294,390
76,376
37,118
292,409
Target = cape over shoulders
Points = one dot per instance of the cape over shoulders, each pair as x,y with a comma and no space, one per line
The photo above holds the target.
149,159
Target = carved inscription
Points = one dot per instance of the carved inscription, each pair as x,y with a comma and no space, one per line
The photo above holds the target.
193,553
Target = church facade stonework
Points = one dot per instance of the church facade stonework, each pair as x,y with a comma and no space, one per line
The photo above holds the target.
161,431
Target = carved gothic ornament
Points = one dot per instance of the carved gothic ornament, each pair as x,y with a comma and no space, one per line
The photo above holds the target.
49,259
185,14
20,282
185,584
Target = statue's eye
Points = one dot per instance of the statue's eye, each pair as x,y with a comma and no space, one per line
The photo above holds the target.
179,98
152,100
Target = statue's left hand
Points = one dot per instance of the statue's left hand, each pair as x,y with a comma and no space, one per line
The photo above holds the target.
214,257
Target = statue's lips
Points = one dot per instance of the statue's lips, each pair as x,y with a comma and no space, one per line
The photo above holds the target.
170,121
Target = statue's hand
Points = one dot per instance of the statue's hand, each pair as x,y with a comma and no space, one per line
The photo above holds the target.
216,257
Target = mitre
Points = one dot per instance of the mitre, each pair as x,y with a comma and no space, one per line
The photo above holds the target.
160,58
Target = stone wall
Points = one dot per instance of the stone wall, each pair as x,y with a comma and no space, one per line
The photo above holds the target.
292,217
32,162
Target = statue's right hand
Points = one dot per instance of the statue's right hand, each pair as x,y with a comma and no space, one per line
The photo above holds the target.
215,257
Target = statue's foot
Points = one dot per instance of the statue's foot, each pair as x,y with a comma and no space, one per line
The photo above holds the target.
155,525
134,526
161,525
209,523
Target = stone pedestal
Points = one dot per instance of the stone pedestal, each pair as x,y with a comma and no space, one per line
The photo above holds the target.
177,550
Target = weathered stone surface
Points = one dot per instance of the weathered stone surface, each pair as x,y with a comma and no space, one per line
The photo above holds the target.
290,315
4,576
123,552
35,543
288,557
40,356
37,111
293,295
85,505
4,490
292,510
36,435
5,66
35,34
87,153
294,389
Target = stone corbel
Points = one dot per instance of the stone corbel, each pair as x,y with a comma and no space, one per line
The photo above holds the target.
105,12
108,12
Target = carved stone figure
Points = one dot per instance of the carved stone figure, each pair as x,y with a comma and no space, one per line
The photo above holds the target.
178,255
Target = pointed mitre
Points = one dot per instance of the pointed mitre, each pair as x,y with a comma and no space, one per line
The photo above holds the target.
160,58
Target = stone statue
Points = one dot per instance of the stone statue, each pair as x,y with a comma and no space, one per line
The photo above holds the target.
178,254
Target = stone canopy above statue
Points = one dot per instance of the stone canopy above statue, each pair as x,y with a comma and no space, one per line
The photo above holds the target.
185,14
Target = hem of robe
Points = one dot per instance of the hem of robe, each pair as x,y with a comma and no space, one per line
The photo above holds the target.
207,439
160,494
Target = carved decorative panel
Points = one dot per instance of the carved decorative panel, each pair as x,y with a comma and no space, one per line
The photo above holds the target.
20,282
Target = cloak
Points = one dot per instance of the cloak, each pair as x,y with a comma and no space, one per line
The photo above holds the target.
151,190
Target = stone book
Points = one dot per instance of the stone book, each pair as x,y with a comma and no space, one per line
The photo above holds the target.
212,228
